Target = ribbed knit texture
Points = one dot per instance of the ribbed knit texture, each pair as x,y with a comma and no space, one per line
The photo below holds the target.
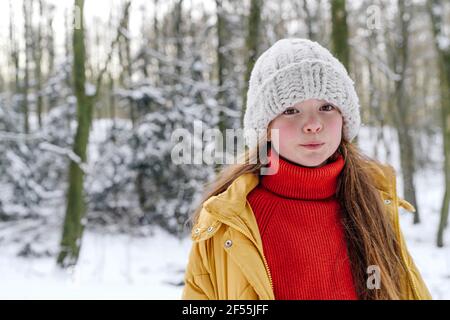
303,239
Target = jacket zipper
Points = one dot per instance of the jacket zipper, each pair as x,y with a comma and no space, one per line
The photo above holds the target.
268,272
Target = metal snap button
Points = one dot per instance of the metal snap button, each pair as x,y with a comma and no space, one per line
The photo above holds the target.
197,231
228,243
387,201
210,229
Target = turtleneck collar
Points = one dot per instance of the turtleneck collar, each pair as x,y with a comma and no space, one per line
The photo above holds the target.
299,182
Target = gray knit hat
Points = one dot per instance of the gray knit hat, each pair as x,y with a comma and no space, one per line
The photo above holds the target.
294,70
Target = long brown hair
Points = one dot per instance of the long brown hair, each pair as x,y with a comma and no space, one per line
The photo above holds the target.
369,233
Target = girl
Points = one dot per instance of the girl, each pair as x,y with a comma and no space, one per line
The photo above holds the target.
324,224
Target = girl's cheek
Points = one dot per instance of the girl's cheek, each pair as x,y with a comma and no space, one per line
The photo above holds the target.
335,131
287,130
335,123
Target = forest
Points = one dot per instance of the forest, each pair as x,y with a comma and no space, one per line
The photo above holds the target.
91,93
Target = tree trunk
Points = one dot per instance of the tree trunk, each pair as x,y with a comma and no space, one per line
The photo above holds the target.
50,47
309,18
125,61
436,12
339,33
146,37
67,47
26,82
50,38
401,112
178,35
37,57
221,31
14,54
112,100
339,36
75,212
156,33
251,44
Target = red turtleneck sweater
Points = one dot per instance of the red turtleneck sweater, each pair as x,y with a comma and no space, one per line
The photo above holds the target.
303,238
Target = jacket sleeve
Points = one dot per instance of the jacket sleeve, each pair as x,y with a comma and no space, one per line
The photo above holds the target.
197,280
417,282
193,290
421,289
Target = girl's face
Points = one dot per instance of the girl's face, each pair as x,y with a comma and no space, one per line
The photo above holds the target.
311,121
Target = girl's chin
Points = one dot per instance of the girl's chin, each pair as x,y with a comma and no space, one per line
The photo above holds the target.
308,162
313,165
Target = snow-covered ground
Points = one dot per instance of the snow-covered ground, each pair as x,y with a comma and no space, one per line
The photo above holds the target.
126,267
110,267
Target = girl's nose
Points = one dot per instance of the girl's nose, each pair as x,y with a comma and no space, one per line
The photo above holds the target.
312,126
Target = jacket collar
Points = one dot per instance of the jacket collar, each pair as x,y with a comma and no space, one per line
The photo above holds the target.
231,208
233,200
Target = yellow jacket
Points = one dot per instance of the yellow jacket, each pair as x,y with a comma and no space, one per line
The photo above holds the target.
227,261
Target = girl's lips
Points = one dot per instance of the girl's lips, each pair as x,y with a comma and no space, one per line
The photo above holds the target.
312,146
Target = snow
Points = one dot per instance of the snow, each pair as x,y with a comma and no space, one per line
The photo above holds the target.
64,151
126,33
119,266
443,42
197,66
90,89
110,267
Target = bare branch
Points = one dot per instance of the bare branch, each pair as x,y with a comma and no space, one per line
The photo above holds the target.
120,33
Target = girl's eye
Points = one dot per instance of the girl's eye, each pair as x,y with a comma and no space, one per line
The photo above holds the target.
328,107
289,111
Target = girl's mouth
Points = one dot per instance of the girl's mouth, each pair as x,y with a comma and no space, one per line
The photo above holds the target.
312,146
